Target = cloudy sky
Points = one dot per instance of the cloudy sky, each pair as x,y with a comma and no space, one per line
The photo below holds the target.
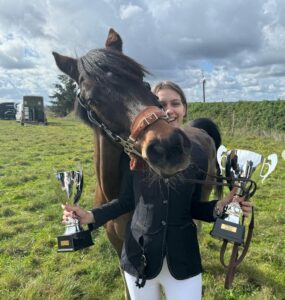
238,45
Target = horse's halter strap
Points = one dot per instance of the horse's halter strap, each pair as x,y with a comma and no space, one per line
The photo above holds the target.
144,119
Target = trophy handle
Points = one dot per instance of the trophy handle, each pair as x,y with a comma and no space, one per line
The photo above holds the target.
271,163
78,179
221,155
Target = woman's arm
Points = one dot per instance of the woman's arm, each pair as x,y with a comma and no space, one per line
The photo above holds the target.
202,210
108,211
207,211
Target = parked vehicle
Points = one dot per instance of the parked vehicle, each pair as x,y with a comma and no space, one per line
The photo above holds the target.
31,111
7,111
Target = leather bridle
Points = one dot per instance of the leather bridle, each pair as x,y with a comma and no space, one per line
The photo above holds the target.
143,120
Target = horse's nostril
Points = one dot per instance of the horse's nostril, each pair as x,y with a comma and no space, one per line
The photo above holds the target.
155,151
179,143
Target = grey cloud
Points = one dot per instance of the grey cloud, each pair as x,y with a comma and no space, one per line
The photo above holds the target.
211,29
7,62
238,44
25,17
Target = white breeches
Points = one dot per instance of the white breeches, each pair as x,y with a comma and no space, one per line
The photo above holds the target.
186,289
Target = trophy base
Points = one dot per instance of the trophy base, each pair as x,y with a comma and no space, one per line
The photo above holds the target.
229,231
75,241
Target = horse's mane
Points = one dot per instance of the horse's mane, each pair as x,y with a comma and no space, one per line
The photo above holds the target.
109,66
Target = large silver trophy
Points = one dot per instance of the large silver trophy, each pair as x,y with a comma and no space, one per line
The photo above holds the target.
74,237
238,166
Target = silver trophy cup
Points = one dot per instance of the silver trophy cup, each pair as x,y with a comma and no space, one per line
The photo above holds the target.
238,166
74,237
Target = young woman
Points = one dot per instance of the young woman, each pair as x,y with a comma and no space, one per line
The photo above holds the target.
161,247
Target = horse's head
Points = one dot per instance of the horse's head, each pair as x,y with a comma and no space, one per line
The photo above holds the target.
112,87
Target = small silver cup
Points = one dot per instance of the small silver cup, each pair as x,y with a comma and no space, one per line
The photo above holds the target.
74,237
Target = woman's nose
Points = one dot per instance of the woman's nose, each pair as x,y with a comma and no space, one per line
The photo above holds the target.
169,109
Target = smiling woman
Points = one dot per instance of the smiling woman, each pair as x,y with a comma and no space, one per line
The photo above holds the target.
173,100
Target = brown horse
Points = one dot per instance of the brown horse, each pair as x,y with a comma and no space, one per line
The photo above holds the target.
113,93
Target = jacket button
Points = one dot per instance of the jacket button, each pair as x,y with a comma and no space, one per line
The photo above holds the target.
163,223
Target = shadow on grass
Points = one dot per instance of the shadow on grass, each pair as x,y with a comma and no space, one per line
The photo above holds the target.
253,276
261,279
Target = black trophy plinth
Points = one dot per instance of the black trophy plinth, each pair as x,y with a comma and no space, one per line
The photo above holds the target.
75,241
229,231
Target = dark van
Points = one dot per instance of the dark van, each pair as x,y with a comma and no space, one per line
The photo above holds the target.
31,111
7,111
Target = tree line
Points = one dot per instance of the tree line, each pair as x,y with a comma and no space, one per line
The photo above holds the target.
63,96
242,114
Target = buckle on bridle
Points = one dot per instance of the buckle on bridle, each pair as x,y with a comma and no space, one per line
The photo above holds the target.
151,118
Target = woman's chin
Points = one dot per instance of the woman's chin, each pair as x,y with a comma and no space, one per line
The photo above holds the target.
174,123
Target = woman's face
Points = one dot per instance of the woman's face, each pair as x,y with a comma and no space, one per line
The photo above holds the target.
173,106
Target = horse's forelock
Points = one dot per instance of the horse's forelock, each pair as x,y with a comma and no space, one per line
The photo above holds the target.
110,66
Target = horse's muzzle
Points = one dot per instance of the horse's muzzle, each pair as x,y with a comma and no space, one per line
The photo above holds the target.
170,155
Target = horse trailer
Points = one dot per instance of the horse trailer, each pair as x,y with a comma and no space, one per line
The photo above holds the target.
7,111
31,111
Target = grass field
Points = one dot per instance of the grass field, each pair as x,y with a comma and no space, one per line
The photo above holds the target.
30,221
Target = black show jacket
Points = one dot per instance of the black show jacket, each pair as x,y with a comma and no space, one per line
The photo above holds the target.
162,222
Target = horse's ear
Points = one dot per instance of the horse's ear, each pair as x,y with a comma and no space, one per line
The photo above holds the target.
114,41
68,65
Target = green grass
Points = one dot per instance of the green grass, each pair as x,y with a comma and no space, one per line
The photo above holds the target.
30,221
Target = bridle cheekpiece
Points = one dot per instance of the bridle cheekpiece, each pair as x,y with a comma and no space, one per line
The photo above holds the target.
143,120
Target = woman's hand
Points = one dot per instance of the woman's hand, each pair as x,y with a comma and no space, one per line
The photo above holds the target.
76,212
246,206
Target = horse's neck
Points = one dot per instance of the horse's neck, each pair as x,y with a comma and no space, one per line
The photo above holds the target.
201,137
107,159
206,143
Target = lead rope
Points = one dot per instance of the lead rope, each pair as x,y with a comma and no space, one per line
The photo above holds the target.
235,259
141,277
